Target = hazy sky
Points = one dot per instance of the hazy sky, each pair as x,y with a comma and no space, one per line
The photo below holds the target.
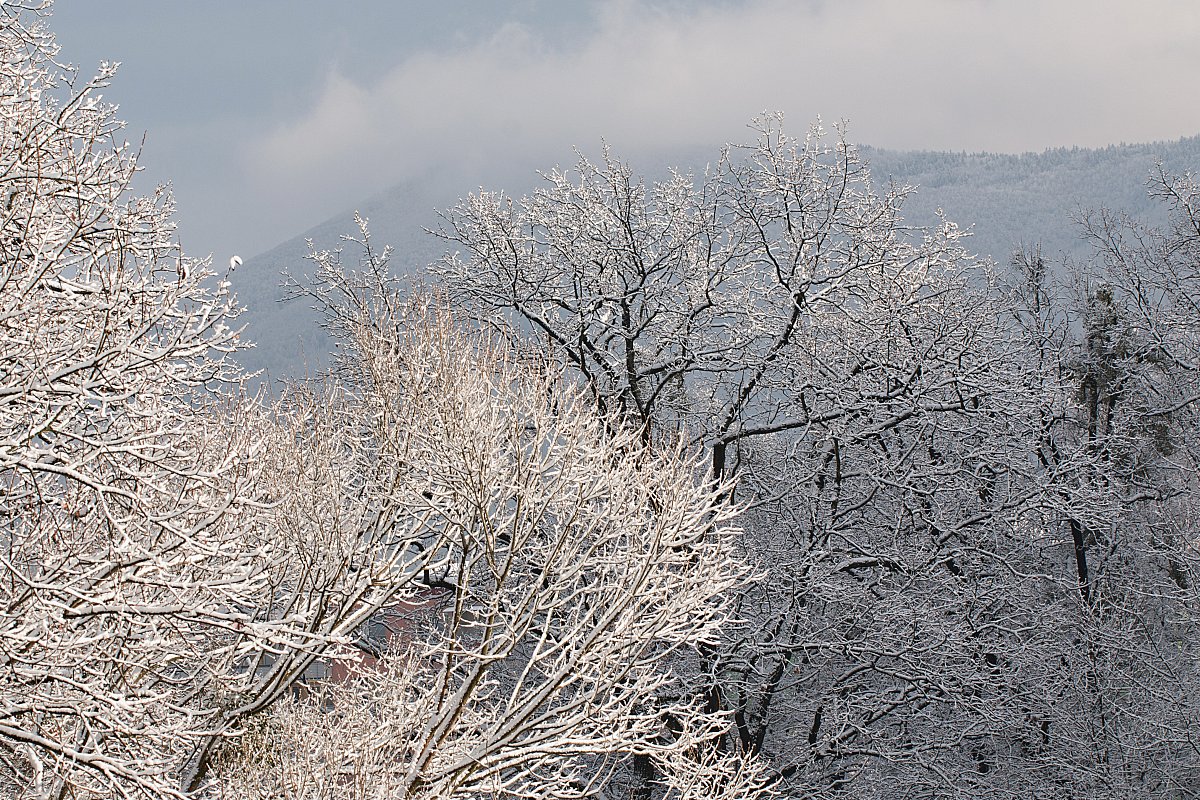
271,115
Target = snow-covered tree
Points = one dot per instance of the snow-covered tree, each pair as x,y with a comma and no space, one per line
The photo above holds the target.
125,481
179,561
859,379
559,571
141,549
1118,444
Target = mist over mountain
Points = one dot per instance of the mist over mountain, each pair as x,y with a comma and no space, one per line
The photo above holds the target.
1006,201
288,339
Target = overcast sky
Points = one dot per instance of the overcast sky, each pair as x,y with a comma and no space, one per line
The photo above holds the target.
270,116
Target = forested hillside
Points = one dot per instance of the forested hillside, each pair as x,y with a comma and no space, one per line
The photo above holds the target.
1012,200
729,485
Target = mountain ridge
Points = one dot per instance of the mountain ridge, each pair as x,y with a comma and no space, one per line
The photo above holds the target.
1005,200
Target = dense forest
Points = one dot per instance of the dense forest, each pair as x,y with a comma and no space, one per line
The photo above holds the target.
733,482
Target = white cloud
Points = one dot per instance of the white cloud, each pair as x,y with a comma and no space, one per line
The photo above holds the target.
1007,75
